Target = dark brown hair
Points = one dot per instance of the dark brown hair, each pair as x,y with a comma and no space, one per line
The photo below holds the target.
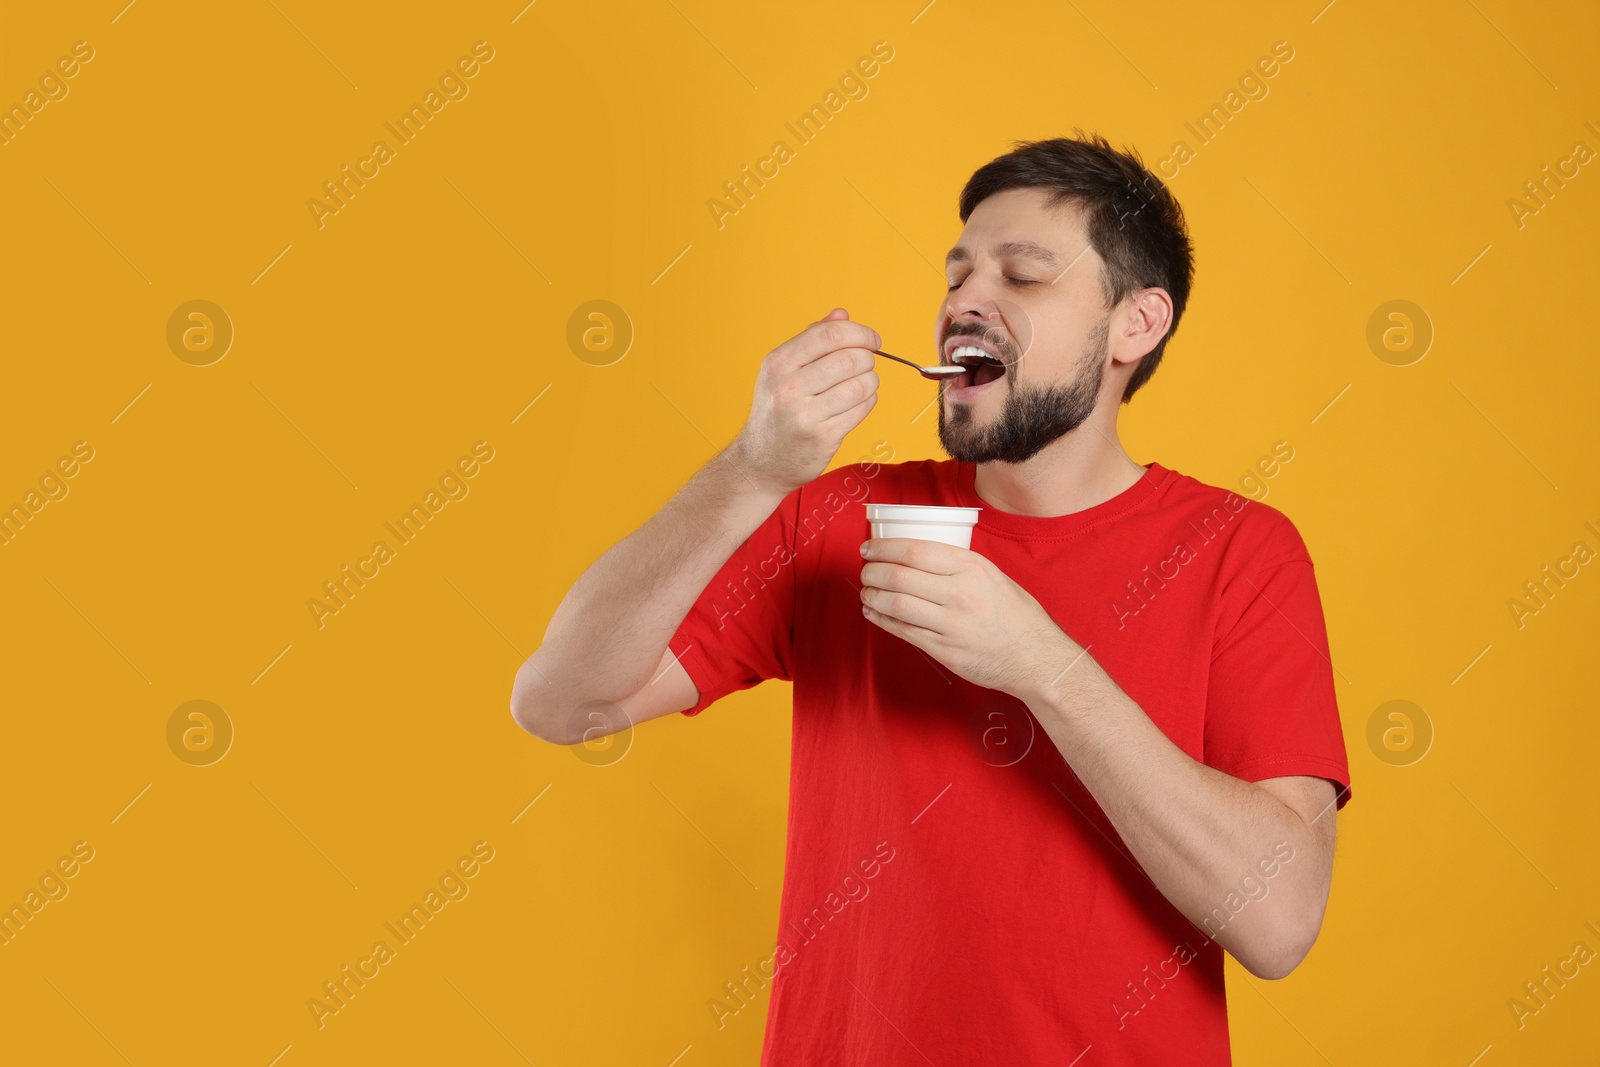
1135,224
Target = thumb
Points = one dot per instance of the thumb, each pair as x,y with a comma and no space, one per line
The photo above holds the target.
835,314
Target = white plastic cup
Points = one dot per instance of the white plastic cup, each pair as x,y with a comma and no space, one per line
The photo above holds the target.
950,526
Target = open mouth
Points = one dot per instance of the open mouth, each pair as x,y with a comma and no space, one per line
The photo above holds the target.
982,366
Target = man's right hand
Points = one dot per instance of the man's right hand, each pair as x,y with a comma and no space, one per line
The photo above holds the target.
811,391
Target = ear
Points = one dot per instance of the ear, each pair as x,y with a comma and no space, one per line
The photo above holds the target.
1140,325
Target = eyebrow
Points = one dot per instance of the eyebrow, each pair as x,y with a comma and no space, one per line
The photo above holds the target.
1024,249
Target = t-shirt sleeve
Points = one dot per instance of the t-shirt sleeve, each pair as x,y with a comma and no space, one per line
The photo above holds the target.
740,630
1270,706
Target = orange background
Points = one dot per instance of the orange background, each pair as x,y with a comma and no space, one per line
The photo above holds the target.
369,354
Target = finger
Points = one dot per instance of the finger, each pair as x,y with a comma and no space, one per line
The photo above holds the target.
851,418
895,578
935,557
827,371
915,635
830,335
847,394
903,607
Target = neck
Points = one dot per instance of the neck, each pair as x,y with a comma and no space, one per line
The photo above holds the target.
1076,471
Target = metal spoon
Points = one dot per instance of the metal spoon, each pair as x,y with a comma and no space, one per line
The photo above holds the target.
936,373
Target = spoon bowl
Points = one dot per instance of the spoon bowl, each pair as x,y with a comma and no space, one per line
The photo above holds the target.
936,373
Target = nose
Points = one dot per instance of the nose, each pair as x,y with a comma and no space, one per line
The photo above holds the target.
977,307
973,300
967,311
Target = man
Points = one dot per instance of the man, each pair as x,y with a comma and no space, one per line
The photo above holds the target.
1039,785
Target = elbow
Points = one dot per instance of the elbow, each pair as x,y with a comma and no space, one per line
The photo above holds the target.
1286,950
538,725
525,717
528,714
1273,966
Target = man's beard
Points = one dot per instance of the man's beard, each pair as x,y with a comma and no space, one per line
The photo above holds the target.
1033,415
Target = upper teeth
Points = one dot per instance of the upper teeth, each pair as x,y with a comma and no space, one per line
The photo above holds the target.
971,352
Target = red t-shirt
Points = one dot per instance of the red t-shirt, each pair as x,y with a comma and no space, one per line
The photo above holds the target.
951,889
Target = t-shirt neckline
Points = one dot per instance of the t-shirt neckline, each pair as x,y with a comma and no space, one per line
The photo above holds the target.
1056,527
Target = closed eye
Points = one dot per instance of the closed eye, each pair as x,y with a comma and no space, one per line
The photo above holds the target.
1013,281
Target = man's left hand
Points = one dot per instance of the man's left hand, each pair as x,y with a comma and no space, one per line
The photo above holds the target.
963,611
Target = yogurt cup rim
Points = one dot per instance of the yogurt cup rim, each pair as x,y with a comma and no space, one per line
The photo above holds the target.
924,512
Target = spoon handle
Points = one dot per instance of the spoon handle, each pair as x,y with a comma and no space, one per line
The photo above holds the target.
897,359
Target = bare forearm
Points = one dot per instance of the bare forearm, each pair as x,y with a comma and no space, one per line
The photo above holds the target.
1204,838
609,632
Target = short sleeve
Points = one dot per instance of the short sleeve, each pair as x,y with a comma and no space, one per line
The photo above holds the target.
740,630
1270,705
